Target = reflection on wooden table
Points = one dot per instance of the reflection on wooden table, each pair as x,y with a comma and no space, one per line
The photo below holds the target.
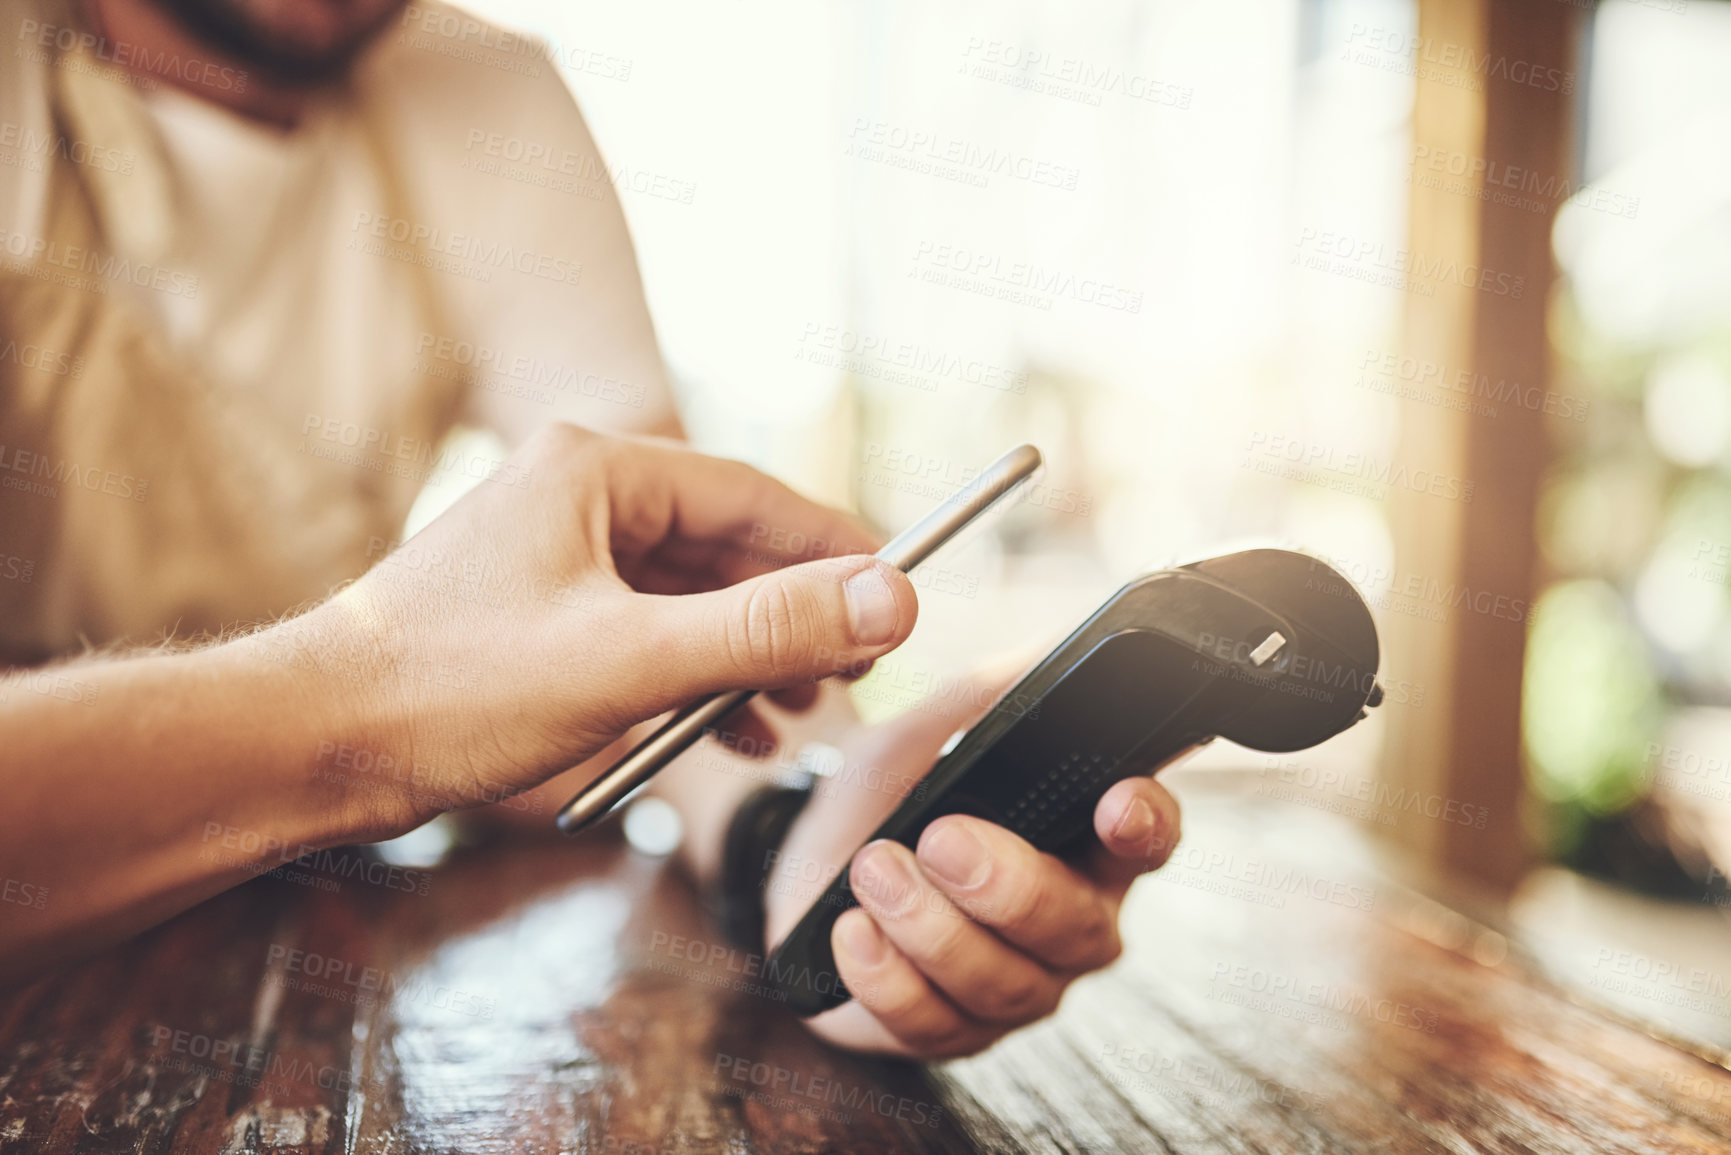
1280,991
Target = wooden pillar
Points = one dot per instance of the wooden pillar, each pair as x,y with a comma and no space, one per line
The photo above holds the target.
1495,86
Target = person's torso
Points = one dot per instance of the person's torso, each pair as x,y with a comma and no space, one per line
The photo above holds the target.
229,356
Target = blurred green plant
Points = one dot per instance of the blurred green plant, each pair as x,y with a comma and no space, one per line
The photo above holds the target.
1591,703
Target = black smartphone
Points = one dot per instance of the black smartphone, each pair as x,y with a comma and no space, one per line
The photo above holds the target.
1269,648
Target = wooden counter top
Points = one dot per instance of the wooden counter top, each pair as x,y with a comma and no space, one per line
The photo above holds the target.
1280,991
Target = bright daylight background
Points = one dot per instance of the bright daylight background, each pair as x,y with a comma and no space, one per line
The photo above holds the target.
792,305
809,304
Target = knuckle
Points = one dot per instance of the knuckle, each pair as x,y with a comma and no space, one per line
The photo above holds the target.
1096,936
759,488
561,438
1113,951
896,1000
560,449
1027,902
964,1042
946,946
941,1038
771,638
1020,997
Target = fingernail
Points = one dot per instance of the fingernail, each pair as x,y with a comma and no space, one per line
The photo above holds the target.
871,607
1136,825
955,854
882,881
861,938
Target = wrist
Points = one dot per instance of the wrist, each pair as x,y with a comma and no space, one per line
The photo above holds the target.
753,840
339,719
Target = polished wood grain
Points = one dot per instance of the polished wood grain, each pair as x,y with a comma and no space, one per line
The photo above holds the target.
1282,990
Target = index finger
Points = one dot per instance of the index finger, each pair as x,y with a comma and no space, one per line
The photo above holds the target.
671,494
1032,900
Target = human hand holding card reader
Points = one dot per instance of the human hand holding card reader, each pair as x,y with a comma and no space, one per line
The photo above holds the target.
1269,648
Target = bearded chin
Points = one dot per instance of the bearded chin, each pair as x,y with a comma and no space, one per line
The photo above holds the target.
227,26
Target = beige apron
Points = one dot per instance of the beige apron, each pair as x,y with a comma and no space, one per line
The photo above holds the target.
139,498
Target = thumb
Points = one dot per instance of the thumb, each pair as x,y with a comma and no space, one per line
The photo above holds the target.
796,624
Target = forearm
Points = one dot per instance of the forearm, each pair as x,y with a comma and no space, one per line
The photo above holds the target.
141,785
512,638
